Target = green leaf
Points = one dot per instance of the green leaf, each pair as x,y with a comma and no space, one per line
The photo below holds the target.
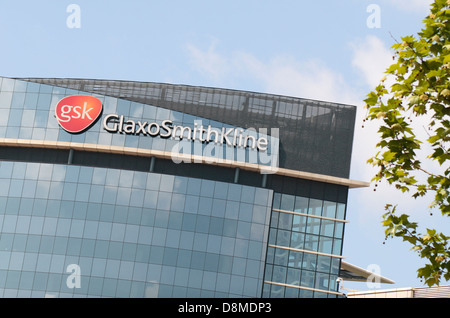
445,92
371,99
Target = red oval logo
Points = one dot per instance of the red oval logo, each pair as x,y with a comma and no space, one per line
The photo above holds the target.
78,112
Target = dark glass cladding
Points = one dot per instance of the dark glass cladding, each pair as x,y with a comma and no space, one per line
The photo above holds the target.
314,136
281,184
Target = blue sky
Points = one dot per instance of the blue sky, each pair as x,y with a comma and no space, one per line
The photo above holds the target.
322,50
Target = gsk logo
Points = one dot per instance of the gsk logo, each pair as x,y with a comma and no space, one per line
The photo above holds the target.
78,112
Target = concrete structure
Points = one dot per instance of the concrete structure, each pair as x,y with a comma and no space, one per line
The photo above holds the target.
410,292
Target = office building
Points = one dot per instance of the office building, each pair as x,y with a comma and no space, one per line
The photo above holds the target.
132,189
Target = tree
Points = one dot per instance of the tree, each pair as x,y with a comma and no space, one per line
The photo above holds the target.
420,89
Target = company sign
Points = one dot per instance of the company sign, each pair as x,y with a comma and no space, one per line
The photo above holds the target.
233,137
77,113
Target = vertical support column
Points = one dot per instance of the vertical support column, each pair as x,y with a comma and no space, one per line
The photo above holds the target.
152,164
70,159
264,180
236,175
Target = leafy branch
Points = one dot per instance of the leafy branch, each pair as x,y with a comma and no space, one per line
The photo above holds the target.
433,246
421,89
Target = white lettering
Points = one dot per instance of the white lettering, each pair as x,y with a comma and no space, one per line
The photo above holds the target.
209,143
86,112
74,279
373,281
188,308
73,21
374,20
225,136
65,110
107,120
166,126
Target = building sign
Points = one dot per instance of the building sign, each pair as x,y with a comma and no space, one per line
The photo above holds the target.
233,137
77,113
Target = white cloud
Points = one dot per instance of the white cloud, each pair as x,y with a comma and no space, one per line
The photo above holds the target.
280,75
371,58
209,63
287,76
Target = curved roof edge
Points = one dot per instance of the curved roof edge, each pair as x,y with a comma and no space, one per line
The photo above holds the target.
44,80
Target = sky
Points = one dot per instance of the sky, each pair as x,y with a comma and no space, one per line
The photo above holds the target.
326,50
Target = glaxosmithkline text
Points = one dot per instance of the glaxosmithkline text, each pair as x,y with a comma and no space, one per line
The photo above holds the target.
234,137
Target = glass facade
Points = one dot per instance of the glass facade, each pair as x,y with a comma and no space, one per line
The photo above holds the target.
132,234
304,248
95,224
